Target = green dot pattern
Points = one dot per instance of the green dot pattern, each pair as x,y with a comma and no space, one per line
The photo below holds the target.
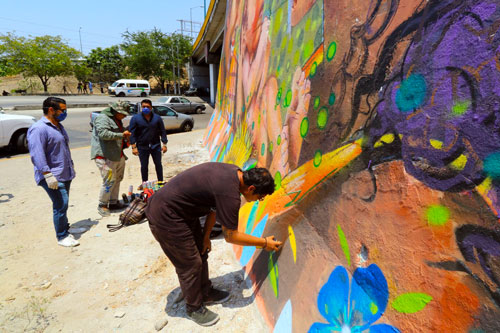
314,67
277,181
304,127
316,102
332,49
317,158
322,117
288,99
437,215
331,99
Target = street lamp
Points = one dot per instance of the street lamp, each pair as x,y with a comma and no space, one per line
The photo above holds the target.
191,17
80,33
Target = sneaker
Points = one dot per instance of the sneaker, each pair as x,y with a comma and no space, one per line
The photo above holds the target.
103,210
203,316
68,241
216,296
117,206
77,230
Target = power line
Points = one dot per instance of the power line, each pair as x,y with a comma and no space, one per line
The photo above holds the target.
55,27
73,40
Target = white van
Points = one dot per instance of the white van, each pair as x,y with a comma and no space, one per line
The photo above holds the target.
122,88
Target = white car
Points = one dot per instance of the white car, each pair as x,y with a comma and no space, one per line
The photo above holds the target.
13,129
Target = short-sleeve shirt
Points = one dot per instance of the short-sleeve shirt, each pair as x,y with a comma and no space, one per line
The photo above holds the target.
194,193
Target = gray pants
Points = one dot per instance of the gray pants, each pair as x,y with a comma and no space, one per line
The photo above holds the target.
112,175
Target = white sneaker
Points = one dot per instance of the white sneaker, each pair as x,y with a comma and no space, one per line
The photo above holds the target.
77,230
68,241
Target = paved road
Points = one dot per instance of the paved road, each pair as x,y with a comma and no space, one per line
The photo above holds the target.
78,128
8,102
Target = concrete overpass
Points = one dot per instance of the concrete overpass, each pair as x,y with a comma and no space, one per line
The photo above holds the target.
204,67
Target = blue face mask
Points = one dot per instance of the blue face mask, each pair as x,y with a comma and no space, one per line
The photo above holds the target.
146,110
62,116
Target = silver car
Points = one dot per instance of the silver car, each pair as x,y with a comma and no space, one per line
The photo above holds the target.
172,119
181,104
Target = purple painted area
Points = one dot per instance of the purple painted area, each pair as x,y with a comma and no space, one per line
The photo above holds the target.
457,56
487,247
479,243
485,243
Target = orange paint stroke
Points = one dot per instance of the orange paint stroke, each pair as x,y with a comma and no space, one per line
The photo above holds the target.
299,183
317,58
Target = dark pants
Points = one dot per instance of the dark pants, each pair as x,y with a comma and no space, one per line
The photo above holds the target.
144,158
183,247
60,199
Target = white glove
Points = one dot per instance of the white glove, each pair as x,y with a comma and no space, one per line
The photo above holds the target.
51,181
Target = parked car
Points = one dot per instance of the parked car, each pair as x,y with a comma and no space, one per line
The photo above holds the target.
172,119
191,92
13,129
181,104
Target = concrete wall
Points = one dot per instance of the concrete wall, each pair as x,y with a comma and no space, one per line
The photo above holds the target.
199,76
380,122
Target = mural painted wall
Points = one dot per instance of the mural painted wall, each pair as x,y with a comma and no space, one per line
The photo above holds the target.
380,121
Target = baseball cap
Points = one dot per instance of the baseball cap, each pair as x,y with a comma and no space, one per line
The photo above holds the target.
120,107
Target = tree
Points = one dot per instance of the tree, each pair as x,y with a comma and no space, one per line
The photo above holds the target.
107,64
6,66
82,72
44,57
154,54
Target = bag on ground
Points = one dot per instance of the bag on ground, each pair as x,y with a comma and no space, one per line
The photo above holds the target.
133,214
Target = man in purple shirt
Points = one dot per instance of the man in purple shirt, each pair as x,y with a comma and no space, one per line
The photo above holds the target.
48,143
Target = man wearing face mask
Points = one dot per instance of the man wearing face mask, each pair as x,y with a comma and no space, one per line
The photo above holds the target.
109,139
48,143
147,129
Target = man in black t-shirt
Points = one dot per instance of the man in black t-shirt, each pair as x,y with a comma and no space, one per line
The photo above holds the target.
173,212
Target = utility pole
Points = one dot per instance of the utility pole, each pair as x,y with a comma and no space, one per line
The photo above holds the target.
80,33
178,69
191,17
173,69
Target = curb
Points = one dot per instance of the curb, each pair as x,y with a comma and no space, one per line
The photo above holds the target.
70,105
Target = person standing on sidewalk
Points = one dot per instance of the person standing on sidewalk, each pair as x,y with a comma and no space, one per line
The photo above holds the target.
173,214
147,129
108,141
48,144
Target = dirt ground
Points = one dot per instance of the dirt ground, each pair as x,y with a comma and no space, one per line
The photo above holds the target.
113,282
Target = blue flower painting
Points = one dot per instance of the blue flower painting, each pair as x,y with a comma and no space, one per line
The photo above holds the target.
353,306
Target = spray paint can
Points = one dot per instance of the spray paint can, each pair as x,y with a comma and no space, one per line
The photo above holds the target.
125,198
130,190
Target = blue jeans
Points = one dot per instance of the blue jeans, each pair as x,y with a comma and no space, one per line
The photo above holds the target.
144,158
60,199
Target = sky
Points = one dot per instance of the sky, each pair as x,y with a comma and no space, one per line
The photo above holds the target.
100,23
